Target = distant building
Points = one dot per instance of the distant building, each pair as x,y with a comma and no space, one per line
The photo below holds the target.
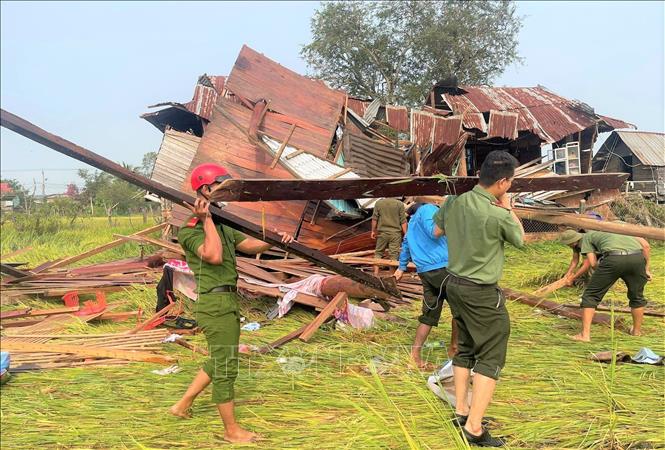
9,199
641,154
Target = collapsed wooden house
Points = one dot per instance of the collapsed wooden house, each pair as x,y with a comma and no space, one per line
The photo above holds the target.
640,154
266,121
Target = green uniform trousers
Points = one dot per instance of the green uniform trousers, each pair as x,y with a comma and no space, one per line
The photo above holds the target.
434,294
219,318
630,268
484,326
391,241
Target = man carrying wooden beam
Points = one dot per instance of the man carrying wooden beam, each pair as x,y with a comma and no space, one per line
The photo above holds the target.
430,255
613,256
388,228
210,252
477,224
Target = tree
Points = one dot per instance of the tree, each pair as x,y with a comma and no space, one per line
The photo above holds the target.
148,163
397,50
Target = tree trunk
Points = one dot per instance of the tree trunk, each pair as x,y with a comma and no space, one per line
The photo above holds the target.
145,214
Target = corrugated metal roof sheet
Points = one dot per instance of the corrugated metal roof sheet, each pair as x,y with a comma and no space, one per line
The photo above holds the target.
174,158
648,147
310,103
207,89
422,125
503,124
447,130
369,158
544,113
398,117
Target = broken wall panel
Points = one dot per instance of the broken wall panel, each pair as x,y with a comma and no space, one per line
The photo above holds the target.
447,130
397,117
369,158
256,77
422,126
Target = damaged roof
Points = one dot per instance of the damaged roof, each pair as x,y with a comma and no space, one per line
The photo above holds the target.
511,110
649,147
308,103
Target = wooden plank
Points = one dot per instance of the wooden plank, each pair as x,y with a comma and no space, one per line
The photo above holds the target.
238,190
281,148
324,315
283,340
93,352
558,284
101,248
13,272
158,242
29,130
16,252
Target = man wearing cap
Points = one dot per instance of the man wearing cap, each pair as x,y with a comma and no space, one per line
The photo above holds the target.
210,253
613,256
388,227
430,255
478,223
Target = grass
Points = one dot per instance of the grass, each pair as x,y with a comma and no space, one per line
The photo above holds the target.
329,394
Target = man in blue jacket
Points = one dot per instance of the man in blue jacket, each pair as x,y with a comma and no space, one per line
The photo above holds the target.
430,255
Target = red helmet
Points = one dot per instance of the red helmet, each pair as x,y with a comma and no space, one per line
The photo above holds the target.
208,173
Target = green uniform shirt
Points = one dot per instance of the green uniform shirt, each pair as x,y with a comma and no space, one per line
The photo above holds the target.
389,215
600,242
476,230
207,275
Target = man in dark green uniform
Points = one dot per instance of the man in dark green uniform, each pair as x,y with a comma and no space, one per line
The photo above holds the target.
477,224
388,228
613,256
210,252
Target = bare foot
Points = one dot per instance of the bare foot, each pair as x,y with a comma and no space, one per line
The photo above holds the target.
633,332
237,434
179,411
581,338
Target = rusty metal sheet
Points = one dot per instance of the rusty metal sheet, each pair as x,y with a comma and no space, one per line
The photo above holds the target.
540,111
616,123
357,105
503,124
207,89
398,117
447,130
304,101
442,158
422,126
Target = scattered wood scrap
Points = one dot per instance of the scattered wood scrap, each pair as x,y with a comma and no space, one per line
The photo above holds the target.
324,315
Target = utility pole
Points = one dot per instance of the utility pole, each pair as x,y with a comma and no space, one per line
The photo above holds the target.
43,187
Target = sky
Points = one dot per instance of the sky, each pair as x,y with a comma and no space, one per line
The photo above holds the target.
86,71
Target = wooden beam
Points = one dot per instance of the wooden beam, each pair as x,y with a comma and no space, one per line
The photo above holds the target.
561,310
93,352
324,315
158,242
282,146
353,188
558,284
577,221
620,310
283,340
32,132
13,271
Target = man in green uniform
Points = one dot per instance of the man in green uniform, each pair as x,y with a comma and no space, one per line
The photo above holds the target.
210,252
477,224
388,227
613,256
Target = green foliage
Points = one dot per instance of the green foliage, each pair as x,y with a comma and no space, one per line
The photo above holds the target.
397,50
110,193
